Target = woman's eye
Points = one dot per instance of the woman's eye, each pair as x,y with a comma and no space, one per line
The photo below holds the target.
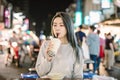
54,25
58,25
61,25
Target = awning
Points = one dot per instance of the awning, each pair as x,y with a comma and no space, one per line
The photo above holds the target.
115,22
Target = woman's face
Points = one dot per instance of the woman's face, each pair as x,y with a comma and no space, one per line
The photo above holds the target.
58,27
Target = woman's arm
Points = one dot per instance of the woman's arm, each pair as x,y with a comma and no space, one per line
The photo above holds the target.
43,66
78,68
111,46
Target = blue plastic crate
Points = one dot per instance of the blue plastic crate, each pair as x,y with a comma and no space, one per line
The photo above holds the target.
88,75
29,75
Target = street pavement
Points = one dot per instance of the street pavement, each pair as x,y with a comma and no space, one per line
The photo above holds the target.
13,73
114,73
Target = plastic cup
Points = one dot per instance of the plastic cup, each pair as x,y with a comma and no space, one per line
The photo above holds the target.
56,44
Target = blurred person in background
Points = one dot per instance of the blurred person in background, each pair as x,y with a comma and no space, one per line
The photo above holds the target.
80,35
42,37
68,61
102,46
8,56
34,53
109,52
14,48
81,38
102,49
20,35
93,43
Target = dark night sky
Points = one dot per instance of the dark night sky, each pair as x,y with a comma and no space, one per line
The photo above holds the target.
39,10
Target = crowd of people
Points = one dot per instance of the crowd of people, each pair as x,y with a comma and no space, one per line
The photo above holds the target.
100,49
19,45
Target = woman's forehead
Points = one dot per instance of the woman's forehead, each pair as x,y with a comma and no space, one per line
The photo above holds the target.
58,20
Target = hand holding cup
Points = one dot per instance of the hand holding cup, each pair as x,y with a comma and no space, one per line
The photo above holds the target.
53,46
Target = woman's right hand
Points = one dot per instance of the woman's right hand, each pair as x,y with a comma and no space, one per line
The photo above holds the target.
49,47
49,58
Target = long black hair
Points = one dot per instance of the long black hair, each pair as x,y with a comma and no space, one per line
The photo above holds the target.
67,21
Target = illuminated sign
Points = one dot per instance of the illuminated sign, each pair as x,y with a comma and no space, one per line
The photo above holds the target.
105,4
95,17
78,19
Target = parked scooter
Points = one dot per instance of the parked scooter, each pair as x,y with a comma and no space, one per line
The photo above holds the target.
16,56
31,71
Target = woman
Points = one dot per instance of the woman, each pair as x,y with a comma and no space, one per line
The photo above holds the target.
69,60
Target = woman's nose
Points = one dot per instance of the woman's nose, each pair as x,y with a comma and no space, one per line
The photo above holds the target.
57,28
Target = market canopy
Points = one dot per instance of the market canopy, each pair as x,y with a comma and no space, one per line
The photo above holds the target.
115,22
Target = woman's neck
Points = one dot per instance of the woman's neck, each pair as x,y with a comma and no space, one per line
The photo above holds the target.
64,40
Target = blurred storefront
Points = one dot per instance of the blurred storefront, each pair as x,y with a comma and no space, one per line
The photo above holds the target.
104,13
92,11
3,4
20,21
111,26
11,19
96,11
8,16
